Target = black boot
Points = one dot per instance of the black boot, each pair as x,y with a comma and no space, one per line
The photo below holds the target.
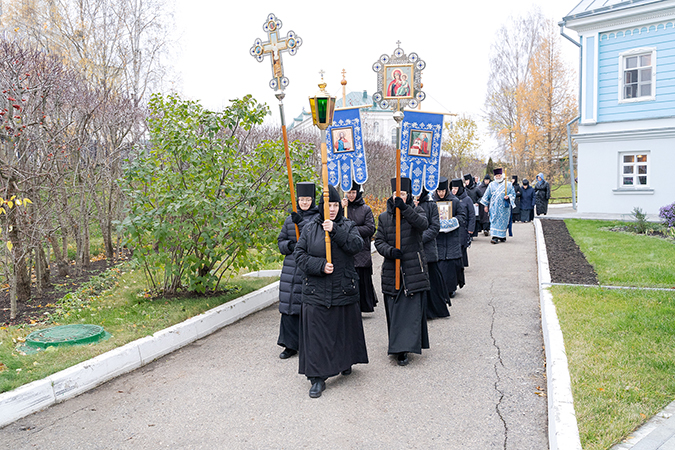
318,386
402,359
287,353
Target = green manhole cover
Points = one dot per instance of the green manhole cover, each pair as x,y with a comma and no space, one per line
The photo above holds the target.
66,335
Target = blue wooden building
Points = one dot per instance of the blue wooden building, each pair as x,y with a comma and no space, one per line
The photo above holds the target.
626,137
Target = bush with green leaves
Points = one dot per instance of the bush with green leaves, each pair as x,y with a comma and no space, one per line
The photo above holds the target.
641,225
201,203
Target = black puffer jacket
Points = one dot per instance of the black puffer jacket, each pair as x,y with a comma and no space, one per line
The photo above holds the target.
467,205
362,216
482,215
472,191
340,287
450,244
519,194
429,235
413,265
290,283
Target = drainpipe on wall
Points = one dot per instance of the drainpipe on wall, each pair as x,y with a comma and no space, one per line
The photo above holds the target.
569,134
571,158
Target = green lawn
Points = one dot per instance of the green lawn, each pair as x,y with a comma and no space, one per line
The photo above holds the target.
624,259
562,193
619,343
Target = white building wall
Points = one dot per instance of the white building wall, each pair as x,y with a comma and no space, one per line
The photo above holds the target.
599,166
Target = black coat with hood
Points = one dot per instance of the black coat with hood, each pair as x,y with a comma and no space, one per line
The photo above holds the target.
290,282
415,274
466,204
472,191
342,286
519,194
429,235
362,216
450,244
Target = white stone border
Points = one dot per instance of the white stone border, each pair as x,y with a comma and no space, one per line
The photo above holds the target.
563,432
82,377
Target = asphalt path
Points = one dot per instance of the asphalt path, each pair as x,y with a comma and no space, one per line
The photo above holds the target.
480,386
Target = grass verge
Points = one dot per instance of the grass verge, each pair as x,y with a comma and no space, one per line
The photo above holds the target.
621,357
116,301
624,259
619,343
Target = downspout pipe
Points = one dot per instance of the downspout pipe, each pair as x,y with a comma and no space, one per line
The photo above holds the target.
571,158
569,133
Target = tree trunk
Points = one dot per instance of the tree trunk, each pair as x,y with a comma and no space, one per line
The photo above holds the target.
61,261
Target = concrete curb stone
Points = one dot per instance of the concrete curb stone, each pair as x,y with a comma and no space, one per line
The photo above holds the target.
562,422
82,377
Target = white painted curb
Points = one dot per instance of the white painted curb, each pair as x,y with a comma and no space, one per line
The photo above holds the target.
563,432
82,377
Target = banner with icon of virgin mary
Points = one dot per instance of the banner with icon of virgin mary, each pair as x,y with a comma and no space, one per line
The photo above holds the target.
346,155
421,137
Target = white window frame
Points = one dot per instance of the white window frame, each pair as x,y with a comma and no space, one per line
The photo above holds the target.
634,164
622,63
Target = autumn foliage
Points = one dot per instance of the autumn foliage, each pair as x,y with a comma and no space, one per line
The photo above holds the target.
531,99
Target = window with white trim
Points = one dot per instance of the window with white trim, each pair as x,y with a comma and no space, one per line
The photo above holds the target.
393,136
634,170
638,69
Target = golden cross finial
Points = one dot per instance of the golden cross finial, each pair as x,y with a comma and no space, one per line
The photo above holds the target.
398,43
321,72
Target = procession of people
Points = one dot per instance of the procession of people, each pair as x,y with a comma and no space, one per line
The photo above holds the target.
322,298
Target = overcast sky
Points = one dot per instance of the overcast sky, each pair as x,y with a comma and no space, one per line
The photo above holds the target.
452,37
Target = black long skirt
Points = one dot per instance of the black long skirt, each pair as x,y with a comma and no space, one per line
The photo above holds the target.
406,323
437,298
368,298
289,331
453,273
331,340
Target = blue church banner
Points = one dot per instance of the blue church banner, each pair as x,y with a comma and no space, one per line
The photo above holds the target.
421,136
346,156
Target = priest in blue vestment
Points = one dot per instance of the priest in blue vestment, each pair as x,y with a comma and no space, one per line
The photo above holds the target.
500,197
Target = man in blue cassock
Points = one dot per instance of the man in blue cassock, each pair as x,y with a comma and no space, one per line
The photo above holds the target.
500,203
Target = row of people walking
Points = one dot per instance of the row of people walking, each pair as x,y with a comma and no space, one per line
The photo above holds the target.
321,303
526,200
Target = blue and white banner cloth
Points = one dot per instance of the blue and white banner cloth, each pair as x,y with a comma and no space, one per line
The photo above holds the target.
346,156
421,137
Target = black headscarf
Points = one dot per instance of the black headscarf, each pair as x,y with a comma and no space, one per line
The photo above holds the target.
333,197
359,193
457,182
306,189
406,185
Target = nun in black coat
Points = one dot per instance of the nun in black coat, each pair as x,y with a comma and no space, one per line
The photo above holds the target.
466,205
483,216
405,306
290,283
437,297
362,216
331,330
450,243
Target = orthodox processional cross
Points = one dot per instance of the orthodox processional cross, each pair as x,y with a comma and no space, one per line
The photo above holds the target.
274,47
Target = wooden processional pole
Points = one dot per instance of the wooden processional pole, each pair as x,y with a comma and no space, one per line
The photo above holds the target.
398,117
273,47
280,96
326,195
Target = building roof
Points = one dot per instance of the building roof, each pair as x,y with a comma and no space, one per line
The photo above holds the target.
357,98
587,8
